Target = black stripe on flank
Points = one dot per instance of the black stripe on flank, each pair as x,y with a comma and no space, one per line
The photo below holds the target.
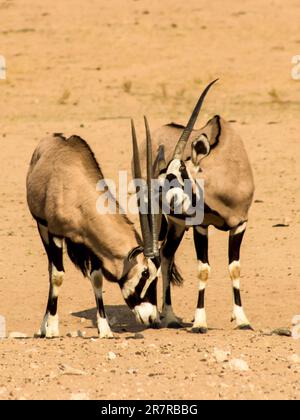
237,297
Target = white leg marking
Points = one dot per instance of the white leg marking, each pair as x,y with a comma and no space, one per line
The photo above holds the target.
58,242
50,326
104,328
239,229
200,315
238,312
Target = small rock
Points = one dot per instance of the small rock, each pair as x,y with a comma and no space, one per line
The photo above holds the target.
138,336
80,396
68,370
282,332
17,335
3,391
72,334
239,365
123,345
111,355
132,371
221,356
294,359
81,334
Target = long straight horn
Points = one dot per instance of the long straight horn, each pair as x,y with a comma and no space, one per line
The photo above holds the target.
152,216
182,142
145,228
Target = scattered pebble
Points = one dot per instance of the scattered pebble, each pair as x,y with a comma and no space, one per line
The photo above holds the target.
68,370
239,365
221,356
3,391
111,355
80,396
294,359
282,332
17,335
132,371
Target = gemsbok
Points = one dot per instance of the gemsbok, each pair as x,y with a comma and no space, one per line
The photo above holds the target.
62,197
217,157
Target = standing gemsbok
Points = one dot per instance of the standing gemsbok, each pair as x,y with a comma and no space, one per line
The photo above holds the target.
218,158
62,197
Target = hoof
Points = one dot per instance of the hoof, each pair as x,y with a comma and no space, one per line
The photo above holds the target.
174,325
156,326
201,330
245,327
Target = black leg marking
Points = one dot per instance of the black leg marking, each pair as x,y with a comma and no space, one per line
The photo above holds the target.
174,237
235,242
201,246
49,326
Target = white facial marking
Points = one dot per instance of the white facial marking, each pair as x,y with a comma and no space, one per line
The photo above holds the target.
104,328
50,326
146,313
200,318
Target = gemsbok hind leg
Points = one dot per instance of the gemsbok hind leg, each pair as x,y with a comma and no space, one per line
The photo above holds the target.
54,248
96,278
201,245
235,242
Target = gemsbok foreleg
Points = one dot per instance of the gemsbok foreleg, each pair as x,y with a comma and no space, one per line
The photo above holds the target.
169,248
201,245
54,249
96,278
235,241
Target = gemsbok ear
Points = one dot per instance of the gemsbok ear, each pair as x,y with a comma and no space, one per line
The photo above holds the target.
212,130
135,253
200,149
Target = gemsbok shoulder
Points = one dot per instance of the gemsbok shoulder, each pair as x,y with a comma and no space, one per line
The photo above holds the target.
218,158
62,197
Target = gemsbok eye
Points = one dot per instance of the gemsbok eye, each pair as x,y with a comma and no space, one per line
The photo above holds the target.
146,274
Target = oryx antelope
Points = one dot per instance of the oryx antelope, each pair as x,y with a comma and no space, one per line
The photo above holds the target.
218,157
62,197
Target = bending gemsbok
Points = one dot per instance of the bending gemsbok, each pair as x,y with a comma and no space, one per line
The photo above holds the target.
217,157
62,197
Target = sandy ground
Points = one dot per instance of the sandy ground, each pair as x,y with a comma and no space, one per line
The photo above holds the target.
84,68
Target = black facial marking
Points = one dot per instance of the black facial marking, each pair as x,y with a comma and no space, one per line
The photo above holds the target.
237,297
200,148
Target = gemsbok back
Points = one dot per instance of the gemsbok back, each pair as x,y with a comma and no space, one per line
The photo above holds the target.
217,157
62,197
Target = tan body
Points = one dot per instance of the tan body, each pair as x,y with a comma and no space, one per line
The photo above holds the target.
62,196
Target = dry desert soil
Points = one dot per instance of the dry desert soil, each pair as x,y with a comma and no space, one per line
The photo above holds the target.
86,67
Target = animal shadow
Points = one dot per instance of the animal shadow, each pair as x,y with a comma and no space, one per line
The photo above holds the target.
120,318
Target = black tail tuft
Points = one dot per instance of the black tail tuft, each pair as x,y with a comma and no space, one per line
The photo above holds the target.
176,277
80,256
